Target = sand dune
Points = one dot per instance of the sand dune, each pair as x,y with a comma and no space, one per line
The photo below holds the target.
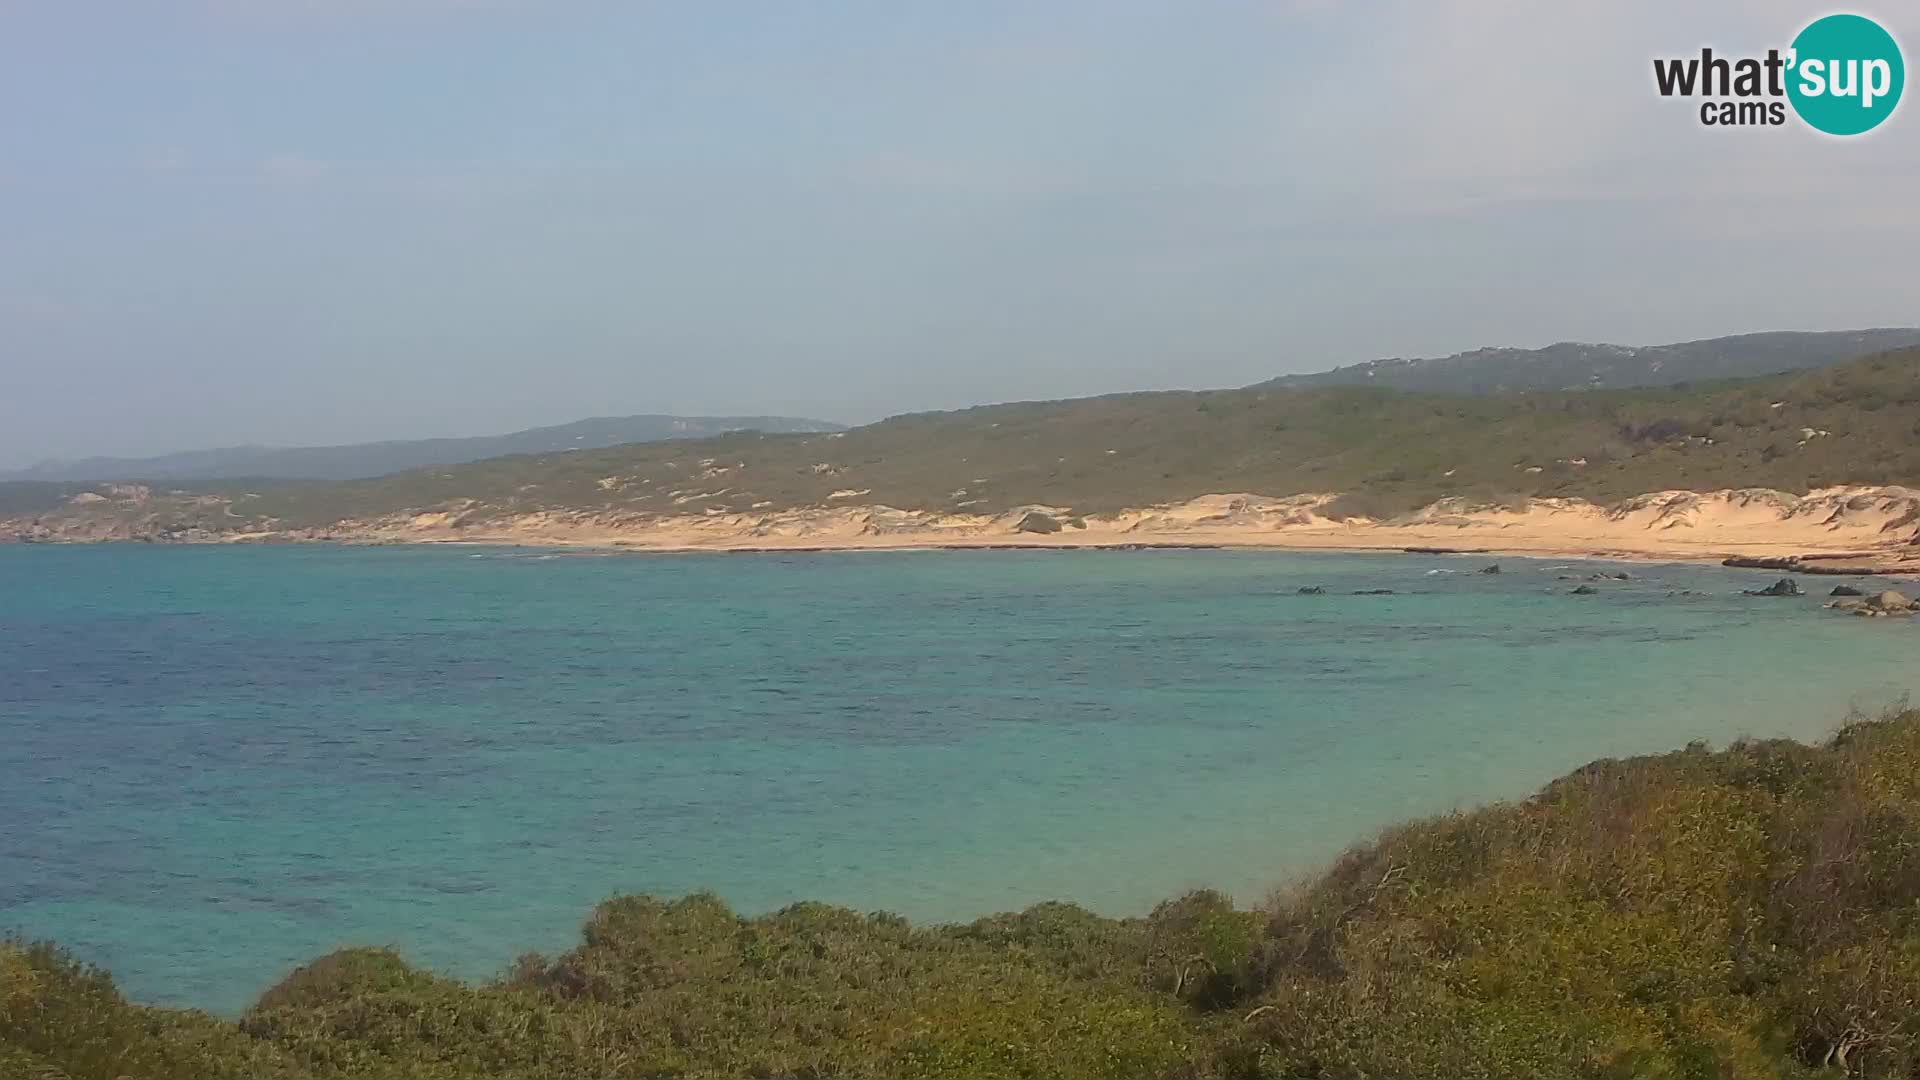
1877,526
1876,523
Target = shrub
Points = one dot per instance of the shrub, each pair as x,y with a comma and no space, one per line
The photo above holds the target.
1753,912
62,1018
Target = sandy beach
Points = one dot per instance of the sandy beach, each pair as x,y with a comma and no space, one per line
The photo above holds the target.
1841,529
1855,528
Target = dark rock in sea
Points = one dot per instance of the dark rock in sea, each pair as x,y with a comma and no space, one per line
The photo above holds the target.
1621,575
1786,586
1846,590
1584,590
1494,569
1373,592
1311,590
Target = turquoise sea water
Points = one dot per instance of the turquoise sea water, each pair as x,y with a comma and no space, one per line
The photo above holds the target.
216,763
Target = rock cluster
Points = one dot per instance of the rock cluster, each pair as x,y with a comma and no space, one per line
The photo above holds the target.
1889,602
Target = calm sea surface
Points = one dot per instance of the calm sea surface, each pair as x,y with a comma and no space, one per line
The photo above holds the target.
216,763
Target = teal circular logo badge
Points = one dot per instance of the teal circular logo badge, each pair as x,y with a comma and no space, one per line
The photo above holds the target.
1845,75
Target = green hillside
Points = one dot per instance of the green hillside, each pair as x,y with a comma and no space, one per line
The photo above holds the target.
1855,422
1753,913
1390,451
1572,365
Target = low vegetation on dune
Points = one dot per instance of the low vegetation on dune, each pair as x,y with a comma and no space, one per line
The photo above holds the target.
1750,912
1386,451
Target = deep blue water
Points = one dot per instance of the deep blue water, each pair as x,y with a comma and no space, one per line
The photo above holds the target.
216,763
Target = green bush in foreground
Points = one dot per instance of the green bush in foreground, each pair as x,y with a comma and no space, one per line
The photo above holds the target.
1753,912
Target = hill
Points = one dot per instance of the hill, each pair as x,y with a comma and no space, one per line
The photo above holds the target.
1745,913
1565,366
1493,371
379,458
1576,366
1383,452
1389,451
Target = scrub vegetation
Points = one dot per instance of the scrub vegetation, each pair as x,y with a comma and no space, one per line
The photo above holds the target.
1751,912
1392,451
1385,451
1572,365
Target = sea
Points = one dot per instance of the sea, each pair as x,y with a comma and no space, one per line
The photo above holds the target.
217,763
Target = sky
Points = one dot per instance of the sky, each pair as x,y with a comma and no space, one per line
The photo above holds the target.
315,221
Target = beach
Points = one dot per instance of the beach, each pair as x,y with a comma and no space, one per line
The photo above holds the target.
1845,529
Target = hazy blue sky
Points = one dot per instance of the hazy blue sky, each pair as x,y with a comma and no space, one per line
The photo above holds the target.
295,221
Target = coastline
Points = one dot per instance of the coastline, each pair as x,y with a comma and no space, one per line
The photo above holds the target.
1381,545
1847,530
1841,530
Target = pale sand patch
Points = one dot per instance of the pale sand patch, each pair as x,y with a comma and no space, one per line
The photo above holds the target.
1662,525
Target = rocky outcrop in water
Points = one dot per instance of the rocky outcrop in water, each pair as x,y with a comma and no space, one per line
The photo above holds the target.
1888,602
1856,564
